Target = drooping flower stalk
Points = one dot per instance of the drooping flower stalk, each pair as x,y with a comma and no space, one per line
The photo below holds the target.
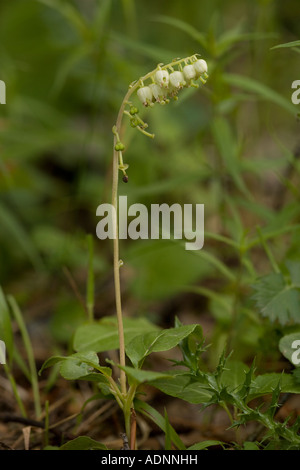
166,83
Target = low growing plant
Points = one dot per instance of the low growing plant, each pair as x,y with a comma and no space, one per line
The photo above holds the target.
232,385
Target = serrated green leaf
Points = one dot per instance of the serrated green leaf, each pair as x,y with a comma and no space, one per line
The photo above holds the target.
266,384
294,270
103,335
141,346
276,299
296,376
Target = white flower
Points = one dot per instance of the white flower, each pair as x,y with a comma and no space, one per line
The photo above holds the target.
200,67
159,94
162,78
145,95
177,80
189,72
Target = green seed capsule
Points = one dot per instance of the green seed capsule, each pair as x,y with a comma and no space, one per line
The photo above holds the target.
119,147
133,110
134,122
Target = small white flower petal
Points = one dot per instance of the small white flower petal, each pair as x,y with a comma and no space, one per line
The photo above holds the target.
162,78
200,67
158,93
177,79
145,95
189,72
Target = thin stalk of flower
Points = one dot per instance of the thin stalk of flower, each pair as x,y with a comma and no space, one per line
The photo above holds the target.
166,82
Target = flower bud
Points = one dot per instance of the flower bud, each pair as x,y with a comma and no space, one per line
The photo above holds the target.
177,80
145,95
200,67
162,78
189,72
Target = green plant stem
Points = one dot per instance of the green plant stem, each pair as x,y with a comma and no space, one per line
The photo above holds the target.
15,390
128,405
46,423
116,260
225,407
27,343
116,256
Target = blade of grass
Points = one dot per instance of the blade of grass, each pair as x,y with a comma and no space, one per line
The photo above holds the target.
261,90
268,251
183,26
159,420
29,351
15,390
16,230
286,44
90,282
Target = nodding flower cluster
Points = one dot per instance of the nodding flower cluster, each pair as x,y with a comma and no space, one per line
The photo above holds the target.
167,82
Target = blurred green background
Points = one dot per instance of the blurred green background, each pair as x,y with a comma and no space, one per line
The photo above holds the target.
232,146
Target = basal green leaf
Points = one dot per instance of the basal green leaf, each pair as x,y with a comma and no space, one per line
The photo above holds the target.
83,443
103,335
78,365
139,376
180,386
143,345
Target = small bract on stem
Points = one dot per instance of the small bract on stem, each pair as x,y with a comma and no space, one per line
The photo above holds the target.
166,81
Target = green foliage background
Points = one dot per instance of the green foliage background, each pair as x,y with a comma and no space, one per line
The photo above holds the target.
231,146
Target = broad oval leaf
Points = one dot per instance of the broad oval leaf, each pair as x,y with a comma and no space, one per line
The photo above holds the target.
181,386
103,335
156,341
